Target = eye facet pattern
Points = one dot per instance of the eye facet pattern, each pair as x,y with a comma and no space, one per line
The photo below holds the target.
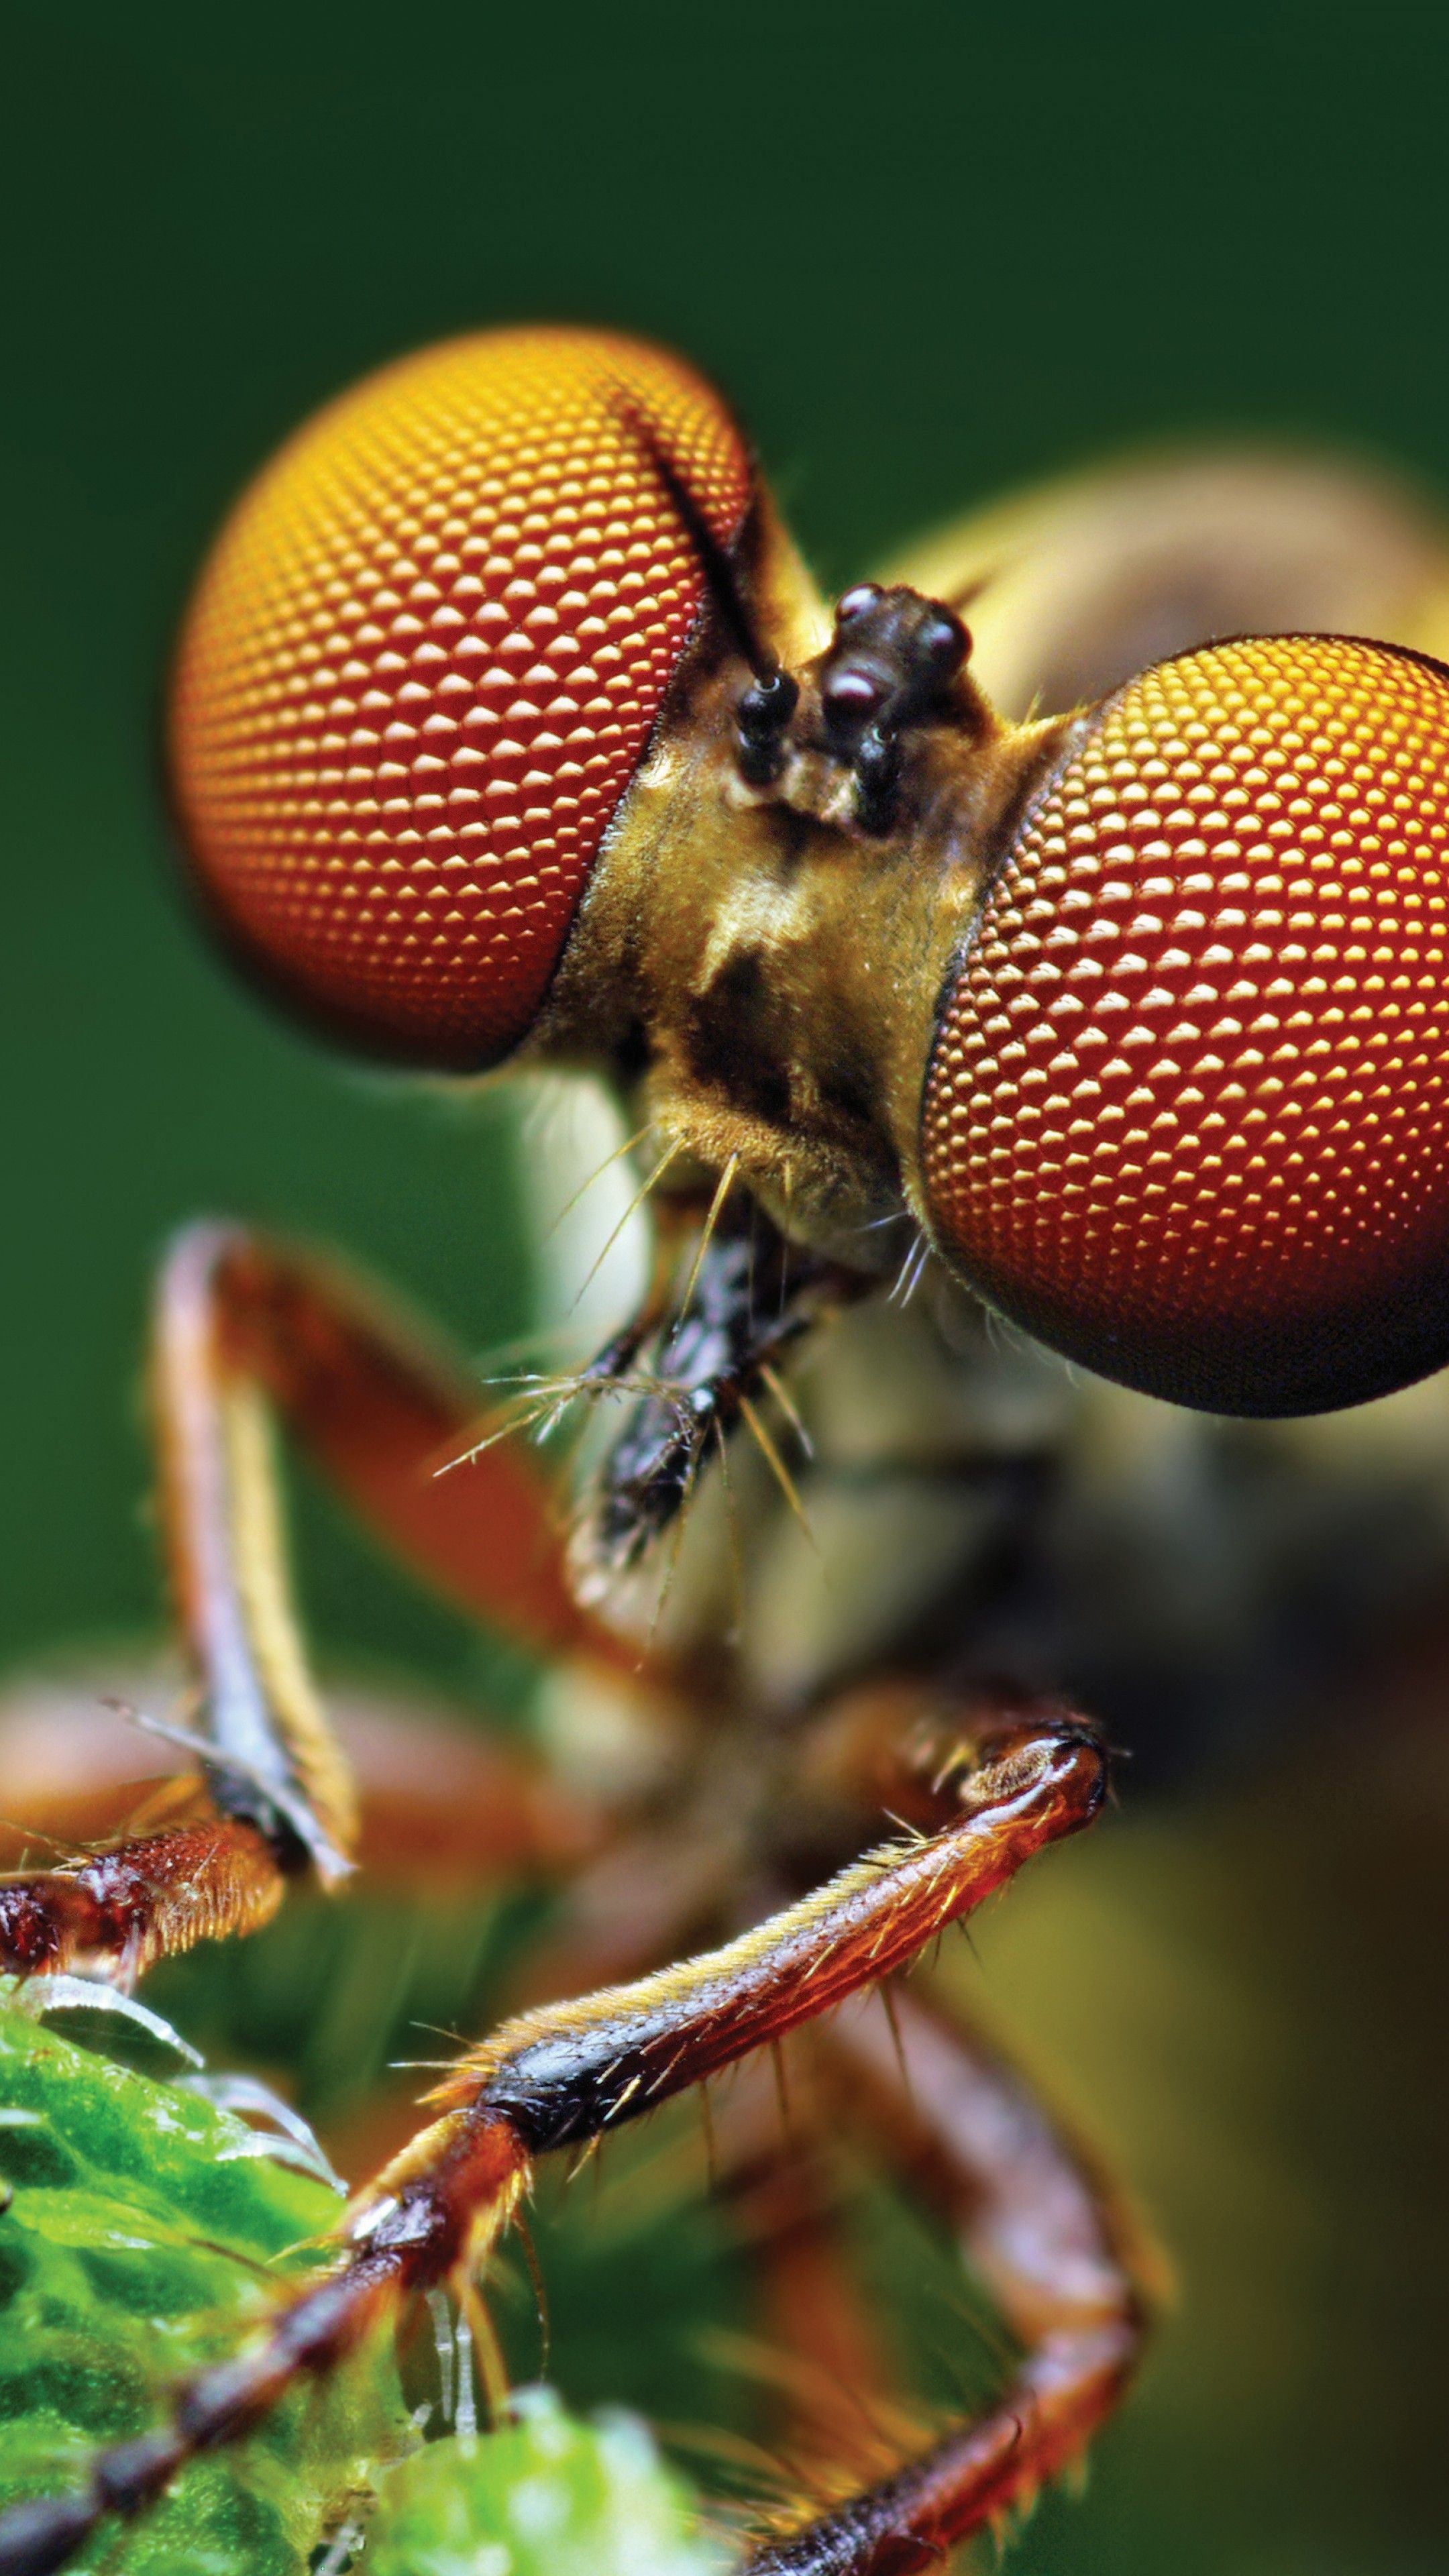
421,670
1187,1113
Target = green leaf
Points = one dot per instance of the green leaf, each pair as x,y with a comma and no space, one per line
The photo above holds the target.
546,2496
140,2240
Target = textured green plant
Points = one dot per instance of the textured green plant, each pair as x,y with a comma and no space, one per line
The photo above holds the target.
142,2232
141,2229
545,2496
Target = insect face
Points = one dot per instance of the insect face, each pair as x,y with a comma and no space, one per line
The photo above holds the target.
505,717
779,907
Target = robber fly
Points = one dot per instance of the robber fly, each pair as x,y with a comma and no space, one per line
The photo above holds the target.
1105,1013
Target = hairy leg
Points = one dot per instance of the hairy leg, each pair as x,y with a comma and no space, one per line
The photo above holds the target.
818,2345
122,1910
1045,2235
244,1325
440,1803
567,2073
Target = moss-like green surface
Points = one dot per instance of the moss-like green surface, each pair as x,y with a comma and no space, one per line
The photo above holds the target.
546,2496
140,2232
141,2235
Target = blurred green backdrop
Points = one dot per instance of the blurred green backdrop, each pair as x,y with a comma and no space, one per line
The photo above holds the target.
929,251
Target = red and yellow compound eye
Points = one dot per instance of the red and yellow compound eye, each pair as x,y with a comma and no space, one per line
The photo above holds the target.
421,669
1187,1115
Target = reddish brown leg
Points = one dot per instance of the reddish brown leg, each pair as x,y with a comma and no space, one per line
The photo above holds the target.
822,2352
241,1326
439,1804
566,2073
1047,2239
129,1907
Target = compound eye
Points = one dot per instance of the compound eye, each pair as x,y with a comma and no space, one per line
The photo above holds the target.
1187,1114
421,670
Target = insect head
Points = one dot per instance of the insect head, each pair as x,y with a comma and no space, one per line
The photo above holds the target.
507,724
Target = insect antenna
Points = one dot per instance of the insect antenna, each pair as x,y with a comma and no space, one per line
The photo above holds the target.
764,711
966,593
719,572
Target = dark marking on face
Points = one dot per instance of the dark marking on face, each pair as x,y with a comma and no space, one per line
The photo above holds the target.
735,1041
848,1094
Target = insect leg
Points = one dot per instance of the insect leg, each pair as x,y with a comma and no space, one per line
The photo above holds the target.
244,1324
749,1298
1045,2235
145,1870
141,1901
566,2073
240,1324
820,2348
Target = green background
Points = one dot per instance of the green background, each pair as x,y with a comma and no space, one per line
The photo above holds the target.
928,251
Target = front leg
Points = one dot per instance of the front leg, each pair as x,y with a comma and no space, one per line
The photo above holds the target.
118,1911
441,1803
566,2074
697,1369
243,1323
245,1327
